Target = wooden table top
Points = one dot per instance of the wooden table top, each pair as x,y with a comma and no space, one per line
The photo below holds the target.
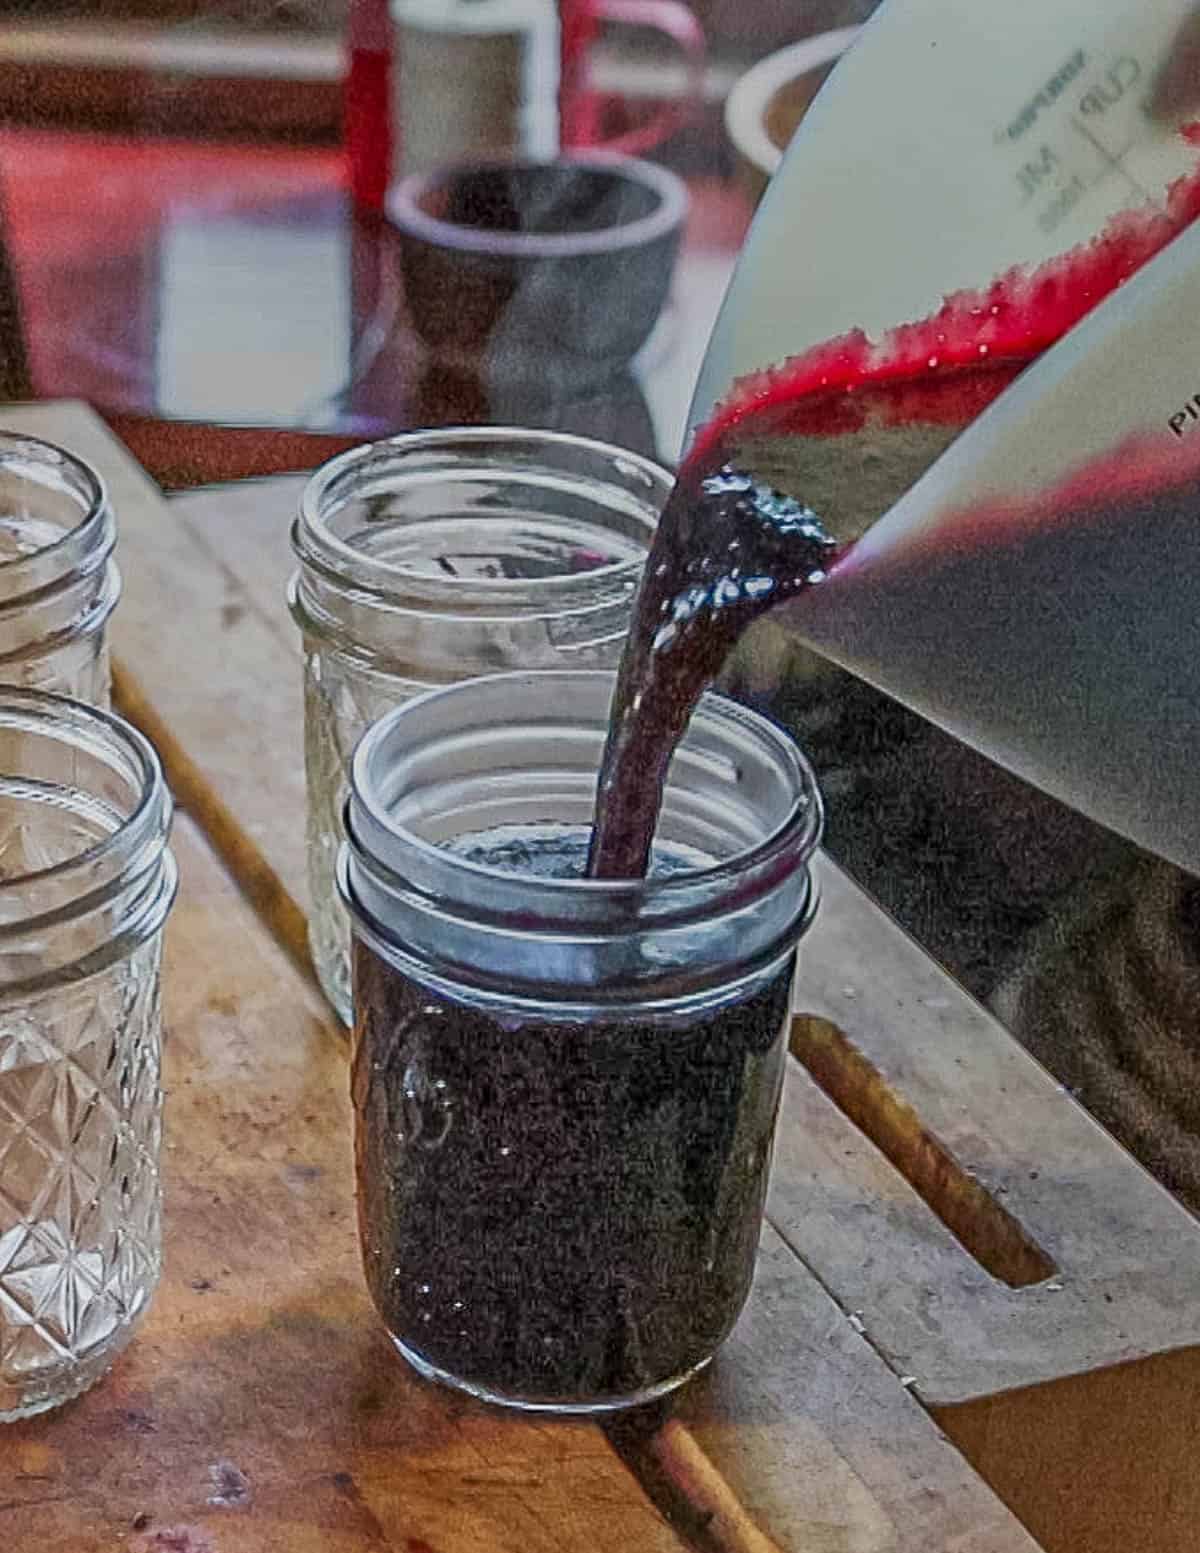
971,1309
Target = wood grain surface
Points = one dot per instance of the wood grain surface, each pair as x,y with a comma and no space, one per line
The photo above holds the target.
1078,1395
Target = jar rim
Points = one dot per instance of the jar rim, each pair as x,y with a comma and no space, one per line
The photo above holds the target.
408,214
39,712
85,482
317,546
796,835
105,595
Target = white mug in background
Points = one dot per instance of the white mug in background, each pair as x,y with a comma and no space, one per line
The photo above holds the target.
477,79
472,78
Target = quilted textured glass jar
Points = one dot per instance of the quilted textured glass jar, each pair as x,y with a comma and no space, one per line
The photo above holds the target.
58,582
442,556
86,881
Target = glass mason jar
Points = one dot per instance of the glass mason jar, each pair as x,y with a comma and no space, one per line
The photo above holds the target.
86,881
437,557
58,581
565,1090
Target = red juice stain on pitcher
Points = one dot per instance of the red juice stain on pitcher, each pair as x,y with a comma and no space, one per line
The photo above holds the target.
731,547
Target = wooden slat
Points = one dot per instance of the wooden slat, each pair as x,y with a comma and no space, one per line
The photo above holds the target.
268,1359
171,80
179,454
192,77
255,517
818,1445
1074,1395
1127,1254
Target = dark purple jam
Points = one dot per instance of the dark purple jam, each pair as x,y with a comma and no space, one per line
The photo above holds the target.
553,1210
727,549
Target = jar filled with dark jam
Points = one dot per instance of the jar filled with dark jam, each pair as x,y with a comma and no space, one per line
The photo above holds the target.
565,1090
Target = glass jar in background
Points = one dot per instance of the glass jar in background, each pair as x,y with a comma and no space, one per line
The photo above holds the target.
437,557
58,581
86,880
565,1090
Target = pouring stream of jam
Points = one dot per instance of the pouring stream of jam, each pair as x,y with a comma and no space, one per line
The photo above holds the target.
730,547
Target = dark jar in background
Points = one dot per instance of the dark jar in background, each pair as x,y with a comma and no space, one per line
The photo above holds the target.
565,1090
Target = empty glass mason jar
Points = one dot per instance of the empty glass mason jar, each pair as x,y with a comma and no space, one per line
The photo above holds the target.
565,1090
439,556
58,581
86,881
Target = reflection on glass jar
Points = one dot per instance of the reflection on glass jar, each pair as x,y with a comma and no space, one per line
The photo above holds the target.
58,582
441,556
86,881
566,1090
